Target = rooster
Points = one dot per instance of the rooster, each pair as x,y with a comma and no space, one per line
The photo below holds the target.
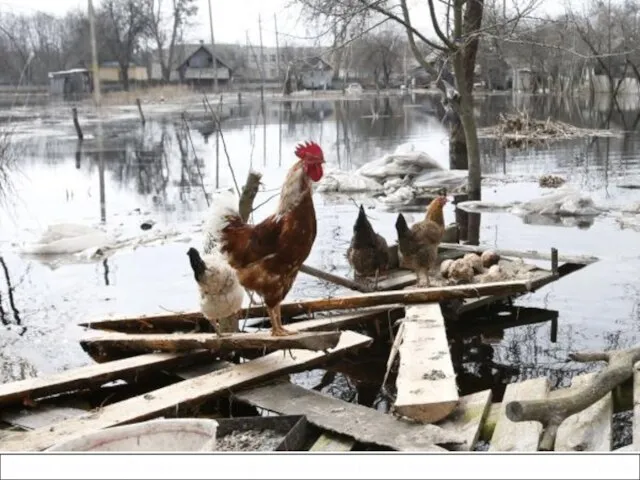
418,245
368,253
267,256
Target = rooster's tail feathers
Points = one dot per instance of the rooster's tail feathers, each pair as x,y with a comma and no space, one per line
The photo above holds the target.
224,208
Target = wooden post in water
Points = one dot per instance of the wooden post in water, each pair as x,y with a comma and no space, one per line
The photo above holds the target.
76,123
554,261
142,119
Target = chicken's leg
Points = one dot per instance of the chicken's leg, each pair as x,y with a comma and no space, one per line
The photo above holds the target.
277,329
423,278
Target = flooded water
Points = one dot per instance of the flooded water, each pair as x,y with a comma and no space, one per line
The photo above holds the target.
150,173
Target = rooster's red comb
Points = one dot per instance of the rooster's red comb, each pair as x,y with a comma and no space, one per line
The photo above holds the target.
308,148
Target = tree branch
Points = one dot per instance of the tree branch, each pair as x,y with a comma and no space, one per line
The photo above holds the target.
552,412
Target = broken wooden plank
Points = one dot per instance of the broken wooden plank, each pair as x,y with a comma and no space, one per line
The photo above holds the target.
636,407
333,323
361,423
187,392
589,430
426,382
468,418
186,342
93,375
164,323
511,436
40,417
332,442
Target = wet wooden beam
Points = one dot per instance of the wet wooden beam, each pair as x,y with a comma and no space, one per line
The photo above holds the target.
426,381
356,301
364,424
167,400
636,407
187,342
93,376
511,436
338,280
589,430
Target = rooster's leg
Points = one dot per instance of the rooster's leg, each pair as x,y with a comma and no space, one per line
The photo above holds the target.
276,323
375,279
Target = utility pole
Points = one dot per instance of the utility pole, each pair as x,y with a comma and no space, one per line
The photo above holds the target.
213,51
275,22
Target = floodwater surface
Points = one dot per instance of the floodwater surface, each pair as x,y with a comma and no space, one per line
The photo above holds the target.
161,172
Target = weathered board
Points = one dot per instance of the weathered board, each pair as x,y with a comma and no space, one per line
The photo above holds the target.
332,442
361,423
187,342
511,436
92,376
589,430
185,322
468,418
167,399
426,381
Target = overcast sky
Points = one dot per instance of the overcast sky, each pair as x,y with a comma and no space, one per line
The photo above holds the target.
232,18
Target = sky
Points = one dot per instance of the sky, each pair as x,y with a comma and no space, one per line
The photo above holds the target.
233,19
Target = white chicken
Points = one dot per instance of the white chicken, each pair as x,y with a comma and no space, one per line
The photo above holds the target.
221,294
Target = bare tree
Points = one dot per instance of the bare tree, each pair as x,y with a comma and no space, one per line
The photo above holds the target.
381,54
165,27
123,24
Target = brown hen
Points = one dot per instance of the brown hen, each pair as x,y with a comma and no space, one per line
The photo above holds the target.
418,245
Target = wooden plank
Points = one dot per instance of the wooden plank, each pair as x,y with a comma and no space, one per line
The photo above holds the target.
589,430
636,407
332,442
468,418
338,280
426,382
92,375
168,399
186,342
184,322
511,436
361,423
361,300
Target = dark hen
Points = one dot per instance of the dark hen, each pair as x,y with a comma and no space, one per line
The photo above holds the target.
368,253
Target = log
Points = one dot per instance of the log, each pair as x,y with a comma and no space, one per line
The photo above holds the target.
338,280
332,442
589,430
186,342
468,418
364,424
510,436
426,381
188,392
92,376
552,412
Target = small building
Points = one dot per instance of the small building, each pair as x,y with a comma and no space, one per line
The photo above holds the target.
109,72
199,68
315,73
70,83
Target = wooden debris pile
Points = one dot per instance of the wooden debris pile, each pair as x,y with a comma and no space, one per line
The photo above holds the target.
519,130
